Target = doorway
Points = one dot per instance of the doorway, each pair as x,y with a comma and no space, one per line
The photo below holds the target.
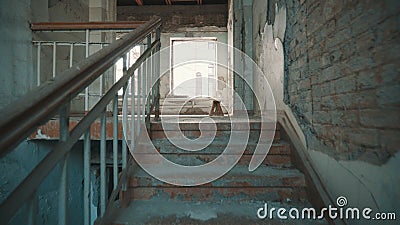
193,67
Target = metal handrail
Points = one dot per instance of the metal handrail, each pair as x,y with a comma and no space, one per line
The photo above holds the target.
82,26
40,104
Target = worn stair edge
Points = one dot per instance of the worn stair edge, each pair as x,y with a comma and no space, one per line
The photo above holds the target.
217,147
239,176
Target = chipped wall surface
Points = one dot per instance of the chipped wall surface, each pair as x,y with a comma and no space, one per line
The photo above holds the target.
16,76
19,76
339,68
19,163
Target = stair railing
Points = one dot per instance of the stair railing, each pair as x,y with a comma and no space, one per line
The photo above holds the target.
51,98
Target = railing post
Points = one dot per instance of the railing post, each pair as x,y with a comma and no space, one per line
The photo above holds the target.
132,125
148,81
87,55
86,177
54,58
103,163
71,54
153,77
139,93
157,74
38,75
124,112
101,79
115,141
63,188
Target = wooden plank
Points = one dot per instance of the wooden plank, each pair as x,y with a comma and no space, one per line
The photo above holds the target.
52,26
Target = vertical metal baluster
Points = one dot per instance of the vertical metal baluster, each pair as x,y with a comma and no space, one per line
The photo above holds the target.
87,55
86,177
148,76
63,188
71,54
124,112
142,91
132,144
101,78
138,98
102,163
32,209
157,103
54,58
38,63
153,77
115,140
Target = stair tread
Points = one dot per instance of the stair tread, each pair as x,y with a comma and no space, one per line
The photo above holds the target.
238,176
217,146
167,211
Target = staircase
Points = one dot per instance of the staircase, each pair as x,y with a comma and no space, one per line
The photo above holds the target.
232,199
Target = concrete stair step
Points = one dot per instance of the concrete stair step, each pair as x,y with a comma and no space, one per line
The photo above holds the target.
167,211
217,194
239,176
282,161
252,134
216,147
223,123
219,129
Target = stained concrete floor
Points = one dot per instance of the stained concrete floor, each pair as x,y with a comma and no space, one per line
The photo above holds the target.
164,211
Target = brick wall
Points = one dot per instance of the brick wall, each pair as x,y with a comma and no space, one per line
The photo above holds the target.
342,72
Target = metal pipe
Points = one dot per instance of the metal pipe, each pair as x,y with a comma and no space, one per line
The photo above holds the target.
82,26
157,103
101,79
63,186
87,55
132,125
86,177
139,96
68,43
124,113
115,141
103,163
71,55
148,79
54,58
38,75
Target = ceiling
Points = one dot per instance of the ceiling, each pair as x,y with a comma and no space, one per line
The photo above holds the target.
169,2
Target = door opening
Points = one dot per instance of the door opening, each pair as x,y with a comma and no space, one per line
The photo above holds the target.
193,67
